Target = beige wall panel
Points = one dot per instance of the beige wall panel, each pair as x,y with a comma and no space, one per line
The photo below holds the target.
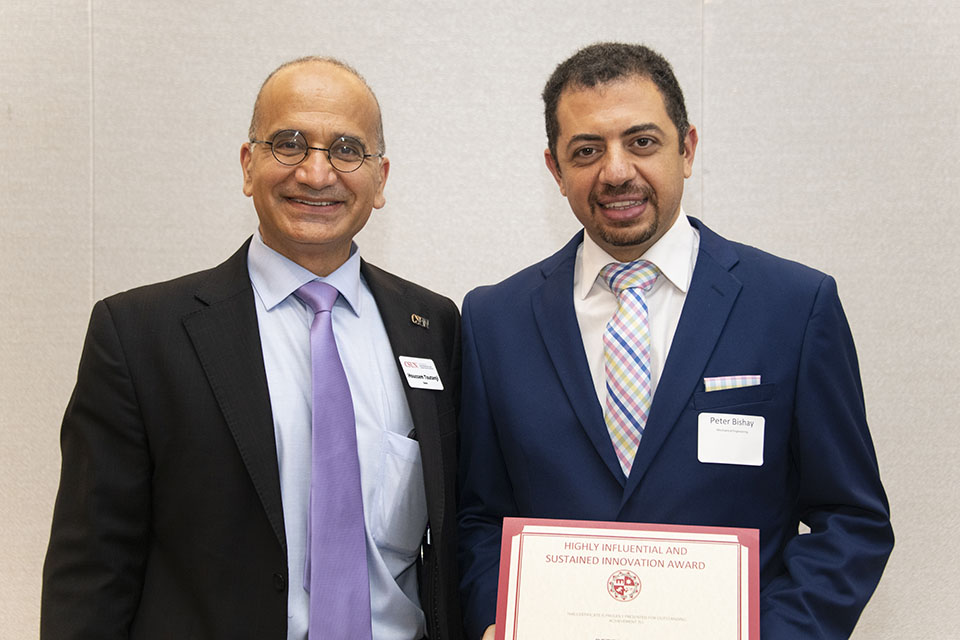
45,281
173,86
460,94
830,136
471,200
827,135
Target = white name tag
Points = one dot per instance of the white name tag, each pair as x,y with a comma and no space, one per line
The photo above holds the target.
421,373
726,438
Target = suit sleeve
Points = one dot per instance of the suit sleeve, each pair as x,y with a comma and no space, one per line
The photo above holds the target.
486,494
831,571
93,574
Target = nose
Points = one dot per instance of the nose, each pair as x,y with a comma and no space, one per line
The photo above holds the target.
316,171
617,166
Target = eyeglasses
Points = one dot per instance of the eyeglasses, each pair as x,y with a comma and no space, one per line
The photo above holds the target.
290,148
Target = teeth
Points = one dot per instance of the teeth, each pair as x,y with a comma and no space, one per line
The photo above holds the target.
626,204
313,204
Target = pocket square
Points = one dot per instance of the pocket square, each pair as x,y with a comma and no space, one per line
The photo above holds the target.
720,383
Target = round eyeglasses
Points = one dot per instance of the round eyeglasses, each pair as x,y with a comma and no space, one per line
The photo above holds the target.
290,148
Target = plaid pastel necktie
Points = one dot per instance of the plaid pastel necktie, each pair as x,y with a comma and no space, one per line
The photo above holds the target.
626,356
336,566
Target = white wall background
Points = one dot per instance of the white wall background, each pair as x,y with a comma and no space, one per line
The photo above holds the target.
829,134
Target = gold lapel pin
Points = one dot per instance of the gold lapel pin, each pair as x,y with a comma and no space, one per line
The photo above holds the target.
420,321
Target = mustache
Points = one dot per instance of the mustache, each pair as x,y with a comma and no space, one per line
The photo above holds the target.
312,194
629,189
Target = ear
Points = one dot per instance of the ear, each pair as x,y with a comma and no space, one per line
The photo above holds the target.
383,172
246,157
689,150
554,170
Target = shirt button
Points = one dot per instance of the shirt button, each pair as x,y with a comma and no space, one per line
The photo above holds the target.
279,582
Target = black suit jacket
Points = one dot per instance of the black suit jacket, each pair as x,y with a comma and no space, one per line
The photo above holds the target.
168,522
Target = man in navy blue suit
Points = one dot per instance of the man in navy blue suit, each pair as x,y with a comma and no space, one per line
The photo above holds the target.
557,423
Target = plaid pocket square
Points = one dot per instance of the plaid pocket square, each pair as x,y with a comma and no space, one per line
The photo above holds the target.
730,382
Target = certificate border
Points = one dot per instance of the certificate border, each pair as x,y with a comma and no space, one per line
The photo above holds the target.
748,539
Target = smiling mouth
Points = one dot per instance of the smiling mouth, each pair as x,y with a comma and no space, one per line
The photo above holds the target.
315,203
624,204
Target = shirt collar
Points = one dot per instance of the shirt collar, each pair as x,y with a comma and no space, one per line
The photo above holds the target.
672,253
275,277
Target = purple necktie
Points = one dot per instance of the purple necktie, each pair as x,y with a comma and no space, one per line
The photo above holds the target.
336,565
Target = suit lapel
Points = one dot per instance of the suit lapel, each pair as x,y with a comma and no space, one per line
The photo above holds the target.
396,304
226,336
555,316
713,291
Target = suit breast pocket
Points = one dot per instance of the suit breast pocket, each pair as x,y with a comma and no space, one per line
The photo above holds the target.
706,400
400,513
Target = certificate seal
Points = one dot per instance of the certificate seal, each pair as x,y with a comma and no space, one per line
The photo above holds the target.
623,586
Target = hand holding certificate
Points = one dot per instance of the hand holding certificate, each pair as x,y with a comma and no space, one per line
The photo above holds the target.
619,581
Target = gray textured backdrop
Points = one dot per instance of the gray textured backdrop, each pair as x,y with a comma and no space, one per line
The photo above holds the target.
828,134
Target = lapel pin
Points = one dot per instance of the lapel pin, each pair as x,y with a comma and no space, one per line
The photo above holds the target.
420,321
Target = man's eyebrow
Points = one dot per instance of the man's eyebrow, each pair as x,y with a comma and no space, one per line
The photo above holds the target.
349,138
635,129
584,137
642,128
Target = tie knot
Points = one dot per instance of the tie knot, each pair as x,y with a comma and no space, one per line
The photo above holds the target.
621,276
317,295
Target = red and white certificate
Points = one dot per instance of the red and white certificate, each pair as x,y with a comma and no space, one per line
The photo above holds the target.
585,580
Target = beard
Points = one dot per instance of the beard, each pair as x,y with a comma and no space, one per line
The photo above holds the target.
630,233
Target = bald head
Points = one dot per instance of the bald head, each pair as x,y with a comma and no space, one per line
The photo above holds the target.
337,66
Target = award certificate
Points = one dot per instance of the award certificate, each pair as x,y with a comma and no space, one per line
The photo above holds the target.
585,580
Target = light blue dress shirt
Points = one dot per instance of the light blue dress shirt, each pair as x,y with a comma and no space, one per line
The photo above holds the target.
391,474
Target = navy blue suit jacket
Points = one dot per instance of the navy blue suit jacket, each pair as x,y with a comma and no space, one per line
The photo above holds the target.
534,442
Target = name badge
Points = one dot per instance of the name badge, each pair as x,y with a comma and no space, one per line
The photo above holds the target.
421,373
726,438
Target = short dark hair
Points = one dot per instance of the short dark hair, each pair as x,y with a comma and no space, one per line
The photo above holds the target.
605,62
255,117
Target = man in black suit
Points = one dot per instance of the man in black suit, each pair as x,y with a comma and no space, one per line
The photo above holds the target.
182,509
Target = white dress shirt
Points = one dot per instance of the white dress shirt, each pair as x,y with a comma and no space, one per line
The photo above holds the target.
675,254
391,474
